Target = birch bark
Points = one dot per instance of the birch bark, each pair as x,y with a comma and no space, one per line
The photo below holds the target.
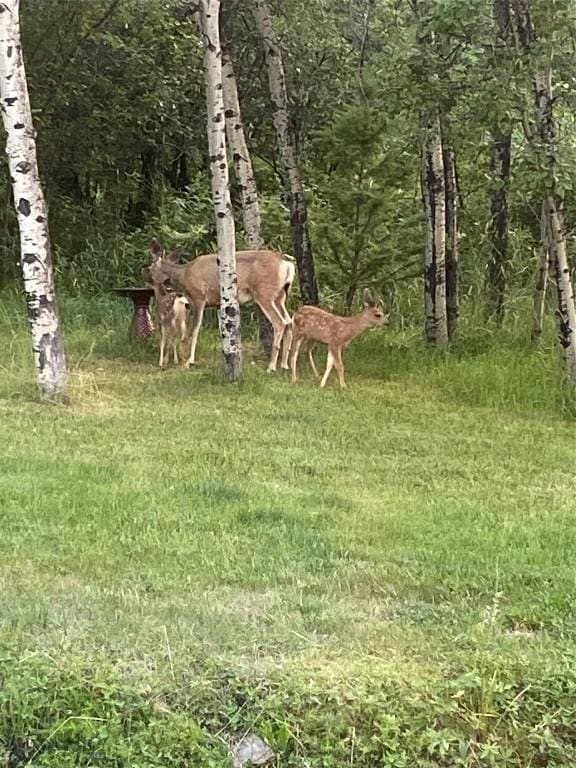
229,312
287,148
36,253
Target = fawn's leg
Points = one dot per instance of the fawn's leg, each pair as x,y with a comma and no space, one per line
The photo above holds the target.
294,360
196,324
311,359
329,366
339,367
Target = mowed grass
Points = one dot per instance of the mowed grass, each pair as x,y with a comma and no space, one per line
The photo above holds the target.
305,564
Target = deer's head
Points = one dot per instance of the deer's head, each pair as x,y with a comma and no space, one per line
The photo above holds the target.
373,310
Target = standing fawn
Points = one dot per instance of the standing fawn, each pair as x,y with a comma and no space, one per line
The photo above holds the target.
171,314
312,324
264,277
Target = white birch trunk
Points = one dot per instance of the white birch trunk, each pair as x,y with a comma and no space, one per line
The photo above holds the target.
436,326
245,177
36,255
241,155
287,149
229,314
565,309
542,277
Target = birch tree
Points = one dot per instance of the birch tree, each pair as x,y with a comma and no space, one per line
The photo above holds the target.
500,153
545,145
244,175
433,188
451,225
287,147
36,254
229,314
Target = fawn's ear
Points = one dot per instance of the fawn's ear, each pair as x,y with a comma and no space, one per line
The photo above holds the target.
156,250
369,300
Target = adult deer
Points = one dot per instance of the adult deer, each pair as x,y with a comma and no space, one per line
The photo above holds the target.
264,277
312,324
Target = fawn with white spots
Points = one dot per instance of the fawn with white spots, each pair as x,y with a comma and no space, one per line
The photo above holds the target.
312,324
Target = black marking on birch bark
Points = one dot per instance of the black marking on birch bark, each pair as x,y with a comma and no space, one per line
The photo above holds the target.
19,126
24,166
40,219
218,86
9,51
237,157
229,113
24,206
10,101
221,214
237,126
230,311
217,118
32,306
222,166
29,258
42,357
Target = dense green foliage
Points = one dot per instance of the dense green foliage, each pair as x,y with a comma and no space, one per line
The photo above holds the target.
117,92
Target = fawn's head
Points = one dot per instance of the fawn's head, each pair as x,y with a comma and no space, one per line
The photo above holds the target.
373,310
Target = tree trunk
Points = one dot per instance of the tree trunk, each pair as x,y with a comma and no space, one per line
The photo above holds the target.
565,308
554,205
545,145
436,324
36,258
229,313
287,148
498,262
451,221
245,177
542,277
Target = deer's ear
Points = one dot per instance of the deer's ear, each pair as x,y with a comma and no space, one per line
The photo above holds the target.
174,257
156,250
369,300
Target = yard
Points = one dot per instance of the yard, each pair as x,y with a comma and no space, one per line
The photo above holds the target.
383,576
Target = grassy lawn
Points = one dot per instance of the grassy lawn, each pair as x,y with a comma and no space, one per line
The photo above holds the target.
384,576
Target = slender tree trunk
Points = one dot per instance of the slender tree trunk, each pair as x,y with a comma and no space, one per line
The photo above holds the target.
545,145
451,221
36,255
436,325
229,314
499,261
542,277
565,308
245,177
500,149
287,148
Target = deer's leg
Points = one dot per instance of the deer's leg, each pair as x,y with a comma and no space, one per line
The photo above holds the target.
280,304
329,366
339,367
294,359
162,346
175,346
286,346
311,359
277,322
196,325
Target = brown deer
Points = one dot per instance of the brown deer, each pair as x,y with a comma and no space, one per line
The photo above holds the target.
171,314
264,277
312,324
